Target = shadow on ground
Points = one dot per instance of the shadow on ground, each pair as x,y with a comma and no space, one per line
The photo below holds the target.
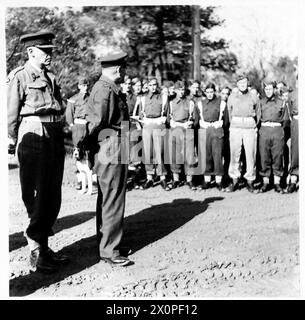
17,240
141,229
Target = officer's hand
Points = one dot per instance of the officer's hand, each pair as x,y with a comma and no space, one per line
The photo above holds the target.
11,146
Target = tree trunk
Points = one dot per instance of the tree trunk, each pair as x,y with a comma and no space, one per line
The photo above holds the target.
196,74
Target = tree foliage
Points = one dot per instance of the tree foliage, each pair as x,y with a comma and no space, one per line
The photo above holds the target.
75,36
158,40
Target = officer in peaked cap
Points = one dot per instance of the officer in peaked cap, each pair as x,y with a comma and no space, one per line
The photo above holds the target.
35,131
106,112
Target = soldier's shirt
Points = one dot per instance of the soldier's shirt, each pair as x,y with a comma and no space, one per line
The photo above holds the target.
243,105
131,99
153,105
106,107
211,109
272,110
76,107
31,92
180,110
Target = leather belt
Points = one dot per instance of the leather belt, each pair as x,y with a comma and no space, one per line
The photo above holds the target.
242,119
80,121
44,118
271,124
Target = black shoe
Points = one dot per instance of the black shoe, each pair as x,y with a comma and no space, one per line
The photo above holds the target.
233,186
148,184
56,257
250,187
176,184
191,185
292,188
119,261
164,185
278,188
264,188
203,186
220,186
125,251
45,264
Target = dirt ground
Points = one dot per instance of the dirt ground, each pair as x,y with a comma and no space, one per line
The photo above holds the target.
185,244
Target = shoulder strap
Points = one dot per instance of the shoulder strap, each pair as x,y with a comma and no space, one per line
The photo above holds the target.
143,103
191,108
199,104
222,109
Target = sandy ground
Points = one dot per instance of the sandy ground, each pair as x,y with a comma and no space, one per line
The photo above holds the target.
185,244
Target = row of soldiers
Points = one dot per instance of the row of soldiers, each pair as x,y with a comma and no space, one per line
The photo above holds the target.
210,139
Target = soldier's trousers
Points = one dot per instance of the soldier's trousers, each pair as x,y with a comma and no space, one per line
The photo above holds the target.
153,146
182,146
135,144
41,153
271,148
214,151
79,131
248,138
110,207
294,164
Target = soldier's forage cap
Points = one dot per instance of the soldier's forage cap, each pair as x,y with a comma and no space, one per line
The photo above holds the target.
82,80
241,76
42,40
117,59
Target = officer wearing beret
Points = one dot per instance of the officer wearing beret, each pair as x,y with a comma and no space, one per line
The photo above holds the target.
35,129
106,114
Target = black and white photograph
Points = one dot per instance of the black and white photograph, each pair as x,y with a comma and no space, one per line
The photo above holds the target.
151,149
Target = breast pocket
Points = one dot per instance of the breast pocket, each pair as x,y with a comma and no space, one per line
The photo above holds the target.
36,94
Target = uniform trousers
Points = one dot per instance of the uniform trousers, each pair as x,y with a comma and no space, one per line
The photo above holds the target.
153,146
271,148
294,164
214,150
111,179
248,138
41,153
135,144
79,131
181,142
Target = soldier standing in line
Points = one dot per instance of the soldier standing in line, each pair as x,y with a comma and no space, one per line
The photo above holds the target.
34,97
183,116
293,110
154,112
272,113
106,114
225,93
211,136
242,108
75,116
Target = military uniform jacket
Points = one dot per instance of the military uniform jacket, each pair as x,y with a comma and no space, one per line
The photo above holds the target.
30,92
272,109
76,107
182,110
106,107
